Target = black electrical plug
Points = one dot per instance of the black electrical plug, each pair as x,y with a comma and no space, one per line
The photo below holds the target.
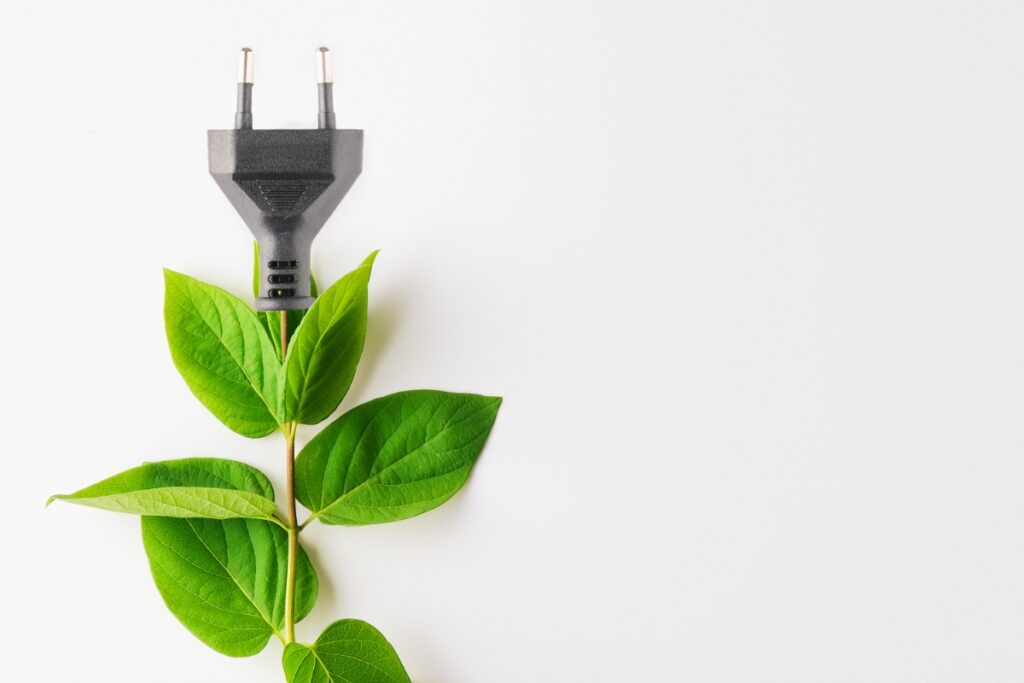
285,184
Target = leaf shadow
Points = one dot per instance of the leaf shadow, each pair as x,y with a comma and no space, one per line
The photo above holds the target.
326,593
382,321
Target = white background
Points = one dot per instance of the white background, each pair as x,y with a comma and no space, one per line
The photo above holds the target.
747,275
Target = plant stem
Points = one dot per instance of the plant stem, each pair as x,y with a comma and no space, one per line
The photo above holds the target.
293,522
293,534
284,334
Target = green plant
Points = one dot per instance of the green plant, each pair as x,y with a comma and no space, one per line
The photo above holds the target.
228,565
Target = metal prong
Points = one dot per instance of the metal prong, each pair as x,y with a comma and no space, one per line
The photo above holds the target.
245,66
324,89
324,72
243,108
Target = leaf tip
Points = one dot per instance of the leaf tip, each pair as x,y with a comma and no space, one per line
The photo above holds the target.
368,261
172,275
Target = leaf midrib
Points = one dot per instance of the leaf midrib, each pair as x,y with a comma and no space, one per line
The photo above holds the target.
227,571
323,665
242,496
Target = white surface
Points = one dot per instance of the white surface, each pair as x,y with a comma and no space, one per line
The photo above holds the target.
747,275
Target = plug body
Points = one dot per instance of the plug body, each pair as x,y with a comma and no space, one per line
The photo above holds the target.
285,184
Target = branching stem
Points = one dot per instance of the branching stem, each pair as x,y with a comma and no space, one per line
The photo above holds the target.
293,522
293,534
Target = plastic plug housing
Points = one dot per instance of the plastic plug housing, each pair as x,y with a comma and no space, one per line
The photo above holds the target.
285,184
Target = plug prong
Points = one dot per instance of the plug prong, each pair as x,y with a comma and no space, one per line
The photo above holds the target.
325,88
243,109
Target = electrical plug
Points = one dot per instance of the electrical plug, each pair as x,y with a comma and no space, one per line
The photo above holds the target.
285,184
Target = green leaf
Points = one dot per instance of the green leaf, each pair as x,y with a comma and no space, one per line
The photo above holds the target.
160,489
271,320
225,580
394,457
348,651
324,352
224,353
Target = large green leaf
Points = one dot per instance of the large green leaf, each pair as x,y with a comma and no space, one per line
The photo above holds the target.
271,320
192,487
394,457
226,580
224,353
325,349
348,651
